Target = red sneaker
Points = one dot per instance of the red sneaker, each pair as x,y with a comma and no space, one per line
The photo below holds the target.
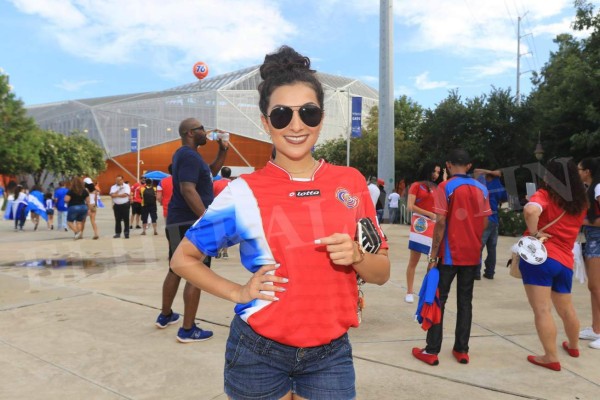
462,358
431,359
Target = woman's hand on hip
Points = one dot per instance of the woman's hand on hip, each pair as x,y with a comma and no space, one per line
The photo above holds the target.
262,281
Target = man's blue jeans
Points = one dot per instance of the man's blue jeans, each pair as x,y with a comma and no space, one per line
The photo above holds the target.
393,214
489,240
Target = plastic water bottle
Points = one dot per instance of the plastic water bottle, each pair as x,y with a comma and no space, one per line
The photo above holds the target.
216,135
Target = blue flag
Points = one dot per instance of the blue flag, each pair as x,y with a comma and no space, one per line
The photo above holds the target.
33,204
356,117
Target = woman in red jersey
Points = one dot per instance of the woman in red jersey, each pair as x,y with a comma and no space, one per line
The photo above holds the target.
420,201
295,221
560,204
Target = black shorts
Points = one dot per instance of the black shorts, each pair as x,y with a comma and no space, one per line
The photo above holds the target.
175,234
136,208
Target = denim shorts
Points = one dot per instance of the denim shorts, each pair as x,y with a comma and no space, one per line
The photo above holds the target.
592,242
77,213
549,273
259,368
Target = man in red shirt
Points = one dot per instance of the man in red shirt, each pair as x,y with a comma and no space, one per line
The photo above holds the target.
218,187
136,203
462,209
220,184
164,191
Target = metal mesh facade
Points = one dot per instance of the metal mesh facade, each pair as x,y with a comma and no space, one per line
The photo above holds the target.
228,102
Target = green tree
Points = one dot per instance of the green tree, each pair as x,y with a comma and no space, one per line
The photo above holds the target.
566,95
18,152
408,115
67,156
84,157
491,127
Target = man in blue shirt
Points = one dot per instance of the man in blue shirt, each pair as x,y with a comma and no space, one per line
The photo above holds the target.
498,195
192,194
61,206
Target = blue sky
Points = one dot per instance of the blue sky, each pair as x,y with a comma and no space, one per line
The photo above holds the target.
56,50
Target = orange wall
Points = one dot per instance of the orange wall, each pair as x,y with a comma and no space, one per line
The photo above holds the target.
159,157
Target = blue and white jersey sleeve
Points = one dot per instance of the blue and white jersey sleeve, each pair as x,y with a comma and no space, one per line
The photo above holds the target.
232,218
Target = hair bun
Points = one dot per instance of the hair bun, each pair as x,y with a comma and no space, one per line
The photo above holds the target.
285,59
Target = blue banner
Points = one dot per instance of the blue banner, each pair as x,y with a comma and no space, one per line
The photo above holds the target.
356,117
134,140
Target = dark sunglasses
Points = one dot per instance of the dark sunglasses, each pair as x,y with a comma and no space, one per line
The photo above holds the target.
200,128
281,116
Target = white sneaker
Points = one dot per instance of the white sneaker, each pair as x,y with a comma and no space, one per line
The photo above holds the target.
589,334
595,344
409,298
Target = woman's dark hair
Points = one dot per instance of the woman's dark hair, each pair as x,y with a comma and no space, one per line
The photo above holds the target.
48,195
77,185
286,67
563,183
425,173
90,187
18,190
593,164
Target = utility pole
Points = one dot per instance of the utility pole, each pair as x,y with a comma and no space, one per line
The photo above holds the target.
519,55
385,146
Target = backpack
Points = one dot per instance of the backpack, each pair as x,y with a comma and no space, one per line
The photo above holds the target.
149,196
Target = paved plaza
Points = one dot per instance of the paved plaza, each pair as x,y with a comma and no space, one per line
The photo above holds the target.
77,322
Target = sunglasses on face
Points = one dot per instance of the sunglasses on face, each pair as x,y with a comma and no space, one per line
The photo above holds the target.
200,128
281,116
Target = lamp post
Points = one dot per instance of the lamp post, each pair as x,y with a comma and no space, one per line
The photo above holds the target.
139,142
539,154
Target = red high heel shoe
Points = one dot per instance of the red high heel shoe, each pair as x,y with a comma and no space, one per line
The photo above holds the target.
554,366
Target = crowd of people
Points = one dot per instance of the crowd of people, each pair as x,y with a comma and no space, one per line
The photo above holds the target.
307,228
72,205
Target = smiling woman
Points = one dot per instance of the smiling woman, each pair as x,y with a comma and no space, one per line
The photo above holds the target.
297,237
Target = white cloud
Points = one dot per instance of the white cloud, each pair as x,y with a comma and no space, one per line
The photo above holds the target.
402,90
467,27
497,67
74,86
422,82
169,36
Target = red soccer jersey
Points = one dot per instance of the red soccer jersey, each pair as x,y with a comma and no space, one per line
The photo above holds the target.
135,192
219,185
465,204
166,188
423,196
276,220
564,231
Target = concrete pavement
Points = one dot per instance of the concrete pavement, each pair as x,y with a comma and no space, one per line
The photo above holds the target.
82,326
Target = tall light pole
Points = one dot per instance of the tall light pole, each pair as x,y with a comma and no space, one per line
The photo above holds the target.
139,143
539,154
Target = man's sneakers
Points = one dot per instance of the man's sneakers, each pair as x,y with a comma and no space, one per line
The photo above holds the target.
193,335
165,320
420,354
462,358
588,334
409,298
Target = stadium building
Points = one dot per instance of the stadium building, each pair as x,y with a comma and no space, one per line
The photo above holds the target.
228,102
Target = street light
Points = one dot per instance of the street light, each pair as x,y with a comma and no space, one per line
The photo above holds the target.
539,154
539,150
139,142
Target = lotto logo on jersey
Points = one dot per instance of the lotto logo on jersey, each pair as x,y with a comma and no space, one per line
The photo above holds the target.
306,193
343,195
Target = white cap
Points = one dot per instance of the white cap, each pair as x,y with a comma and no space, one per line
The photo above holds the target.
88,180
